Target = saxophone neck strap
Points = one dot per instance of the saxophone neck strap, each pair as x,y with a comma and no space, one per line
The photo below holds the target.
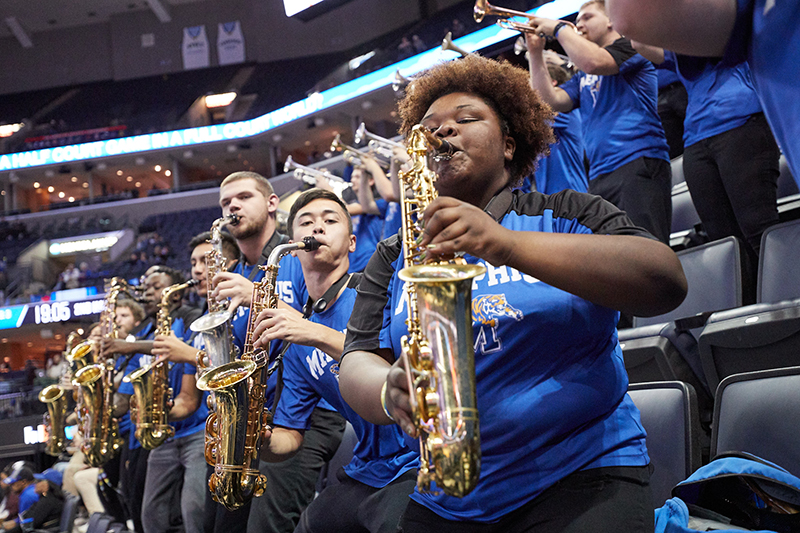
275,240
499,204
321,304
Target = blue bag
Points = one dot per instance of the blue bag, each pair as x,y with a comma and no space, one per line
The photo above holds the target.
738,491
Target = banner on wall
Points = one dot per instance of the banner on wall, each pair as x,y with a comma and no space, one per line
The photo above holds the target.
195,48
230,43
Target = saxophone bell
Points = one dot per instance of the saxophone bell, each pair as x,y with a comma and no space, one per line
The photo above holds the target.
53,396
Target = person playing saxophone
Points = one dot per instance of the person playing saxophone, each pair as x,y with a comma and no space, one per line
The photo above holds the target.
175,469
291,484
373,489
561,444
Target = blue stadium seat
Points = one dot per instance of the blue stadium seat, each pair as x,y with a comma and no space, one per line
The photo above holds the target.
670,416
684,214
759,413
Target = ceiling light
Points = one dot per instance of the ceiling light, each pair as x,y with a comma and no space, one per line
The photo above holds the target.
138,184
71,199
36,185
168,173
74,179
61,194
80,331
85,184
51,189
157,168
219,100
119,173
129,179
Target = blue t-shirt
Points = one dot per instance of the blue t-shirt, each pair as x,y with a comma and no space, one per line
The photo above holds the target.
291,287
197,420
721,98
563,168
666,76
550,377
381,454
27,498
619,113
767,36
392,217
367,229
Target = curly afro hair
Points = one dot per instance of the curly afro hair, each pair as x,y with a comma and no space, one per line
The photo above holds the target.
505,88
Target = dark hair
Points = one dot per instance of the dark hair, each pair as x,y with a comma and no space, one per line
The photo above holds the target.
229,247
308,197
505,88
175,276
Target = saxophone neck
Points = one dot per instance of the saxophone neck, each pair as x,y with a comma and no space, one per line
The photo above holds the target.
163,320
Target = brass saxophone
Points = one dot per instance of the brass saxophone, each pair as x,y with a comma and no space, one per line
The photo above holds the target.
151,391
439,345
56,400
233,437
100,430
214,327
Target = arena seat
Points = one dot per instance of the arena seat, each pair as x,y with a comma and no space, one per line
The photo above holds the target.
664,347
765,335
758,413
670,416
677,170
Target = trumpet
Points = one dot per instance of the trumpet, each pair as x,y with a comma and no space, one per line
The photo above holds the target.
378,144
310,175
351,154
448,45
400,82
483,8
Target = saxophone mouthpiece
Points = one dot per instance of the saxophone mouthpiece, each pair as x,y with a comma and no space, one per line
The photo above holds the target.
192,282
233,219
444,151
310,244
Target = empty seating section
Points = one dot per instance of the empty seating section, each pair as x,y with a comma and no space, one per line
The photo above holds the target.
765,335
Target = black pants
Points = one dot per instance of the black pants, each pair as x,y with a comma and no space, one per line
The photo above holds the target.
732,178
132,476
217,518
291,485
612,499
672,101
643,189
359,508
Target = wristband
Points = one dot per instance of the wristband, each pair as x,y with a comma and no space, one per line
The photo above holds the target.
558,27
383,402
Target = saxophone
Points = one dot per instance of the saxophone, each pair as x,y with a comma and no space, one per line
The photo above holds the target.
100,430
151,391
233,437
55,398
439,345
214,327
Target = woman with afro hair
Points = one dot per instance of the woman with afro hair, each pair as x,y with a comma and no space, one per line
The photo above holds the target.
562,446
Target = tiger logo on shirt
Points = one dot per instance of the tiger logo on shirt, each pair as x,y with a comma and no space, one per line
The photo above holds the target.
486,312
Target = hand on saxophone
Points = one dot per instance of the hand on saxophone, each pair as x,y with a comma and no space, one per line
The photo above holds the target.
396,399
453,226
283,323
234,286
171,348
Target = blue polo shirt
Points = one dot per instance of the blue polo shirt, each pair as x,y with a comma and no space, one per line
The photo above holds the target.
310,376
619,112
721,98
563,168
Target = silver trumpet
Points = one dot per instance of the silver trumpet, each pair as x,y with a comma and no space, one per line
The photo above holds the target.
447,45
380,145
353,155
310,175
400,82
